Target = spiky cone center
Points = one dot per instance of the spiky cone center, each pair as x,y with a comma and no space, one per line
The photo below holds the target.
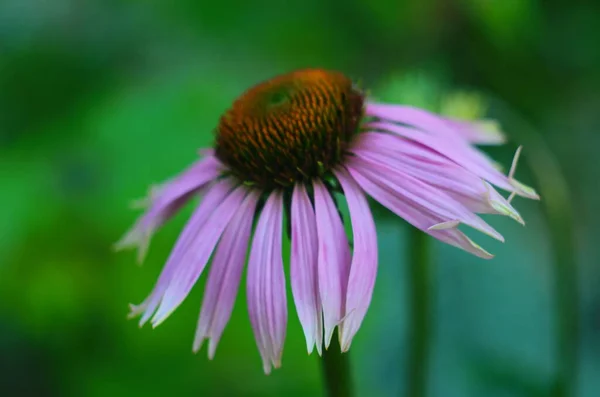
291,128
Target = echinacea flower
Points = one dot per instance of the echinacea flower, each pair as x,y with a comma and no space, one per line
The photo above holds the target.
286,148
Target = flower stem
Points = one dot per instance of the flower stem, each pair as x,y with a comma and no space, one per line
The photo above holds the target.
336,370
420,313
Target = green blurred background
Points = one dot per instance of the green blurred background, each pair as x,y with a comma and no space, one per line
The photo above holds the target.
101,98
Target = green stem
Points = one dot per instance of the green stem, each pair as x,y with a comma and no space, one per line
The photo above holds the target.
557,206
336,370
420,314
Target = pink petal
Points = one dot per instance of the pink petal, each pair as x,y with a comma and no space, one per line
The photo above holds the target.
429,198
303,268
333,260
224,277
214,196
194,260
434,169
476,132
420,217
363,269
479,132
456,150
166,200
267,303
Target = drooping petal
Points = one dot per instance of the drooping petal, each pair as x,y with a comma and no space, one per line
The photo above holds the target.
224,277
432,168
420,217
214,196
479,132
427,197
363,269
457,150
194,260
165,200
333,260
303,268
482,132
267,302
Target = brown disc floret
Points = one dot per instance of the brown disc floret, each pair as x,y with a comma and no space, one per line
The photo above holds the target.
291,128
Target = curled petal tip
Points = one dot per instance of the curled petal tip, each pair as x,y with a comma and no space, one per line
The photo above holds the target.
526,191
136,311
521,188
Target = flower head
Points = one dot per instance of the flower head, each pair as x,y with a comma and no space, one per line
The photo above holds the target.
287,147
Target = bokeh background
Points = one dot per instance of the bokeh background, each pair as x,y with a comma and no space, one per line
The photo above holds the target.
101,98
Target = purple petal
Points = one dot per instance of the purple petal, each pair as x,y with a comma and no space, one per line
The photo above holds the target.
477,132
303,268
364,260
384,192
456,150
427,197
214,196
194,260
166,200
267,303
333,260
434,169
224,277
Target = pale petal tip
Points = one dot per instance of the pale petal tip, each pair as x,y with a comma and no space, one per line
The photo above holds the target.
345,346
136,311
198,342
267,367
310,346
212,348
507,210
161,316
345,341
444,225
453,224
328,336
319,346
501,205
492,131
482,253
525,190
140,204
521,188
134,239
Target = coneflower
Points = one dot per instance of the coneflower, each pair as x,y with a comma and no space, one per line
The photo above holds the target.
285,148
